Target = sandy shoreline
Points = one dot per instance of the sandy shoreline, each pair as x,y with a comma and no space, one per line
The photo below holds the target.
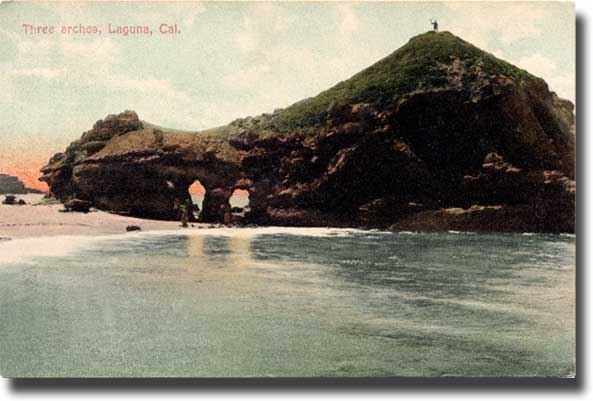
28,221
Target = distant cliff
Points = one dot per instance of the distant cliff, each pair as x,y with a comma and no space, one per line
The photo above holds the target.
439,135
12,185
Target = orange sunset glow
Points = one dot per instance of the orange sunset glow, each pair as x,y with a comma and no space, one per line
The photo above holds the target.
26,171
197,189
24,157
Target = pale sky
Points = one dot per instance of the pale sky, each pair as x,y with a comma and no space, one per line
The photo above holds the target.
231,59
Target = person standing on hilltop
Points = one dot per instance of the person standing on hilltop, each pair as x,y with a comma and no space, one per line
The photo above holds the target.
435,25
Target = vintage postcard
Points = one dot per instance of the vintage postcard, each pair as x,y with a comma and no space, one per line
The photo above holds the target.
287,189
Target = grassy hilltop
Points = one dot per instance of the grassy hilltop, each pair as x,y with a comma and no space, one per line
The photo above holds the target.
416,65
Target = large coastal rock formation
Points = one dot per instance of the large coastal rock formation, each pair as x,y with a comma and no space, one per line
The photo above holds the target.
12,185
437,136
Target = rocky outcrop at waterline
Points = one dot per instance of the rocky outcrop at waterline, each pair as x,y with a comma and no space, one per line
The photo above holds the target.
437,136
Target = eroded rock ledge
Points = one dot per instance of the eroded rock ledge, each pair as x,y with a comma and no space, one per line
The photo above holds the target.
479,152
432,162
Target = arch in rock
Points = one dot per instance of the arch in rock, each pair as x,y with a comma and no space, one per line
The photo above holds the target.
217,191
239,198
239,206
196,192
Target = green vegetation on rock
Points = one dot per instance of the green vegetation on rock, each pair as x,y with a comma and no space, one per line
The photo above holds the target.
420,64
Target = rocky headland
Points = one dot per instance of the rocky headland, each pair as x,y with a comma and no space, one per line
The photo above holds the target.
439,135
13,185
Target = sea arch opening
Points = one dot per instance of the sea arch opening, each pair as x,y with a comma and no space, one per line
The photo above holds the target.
197,192
216,200
239,206
239,199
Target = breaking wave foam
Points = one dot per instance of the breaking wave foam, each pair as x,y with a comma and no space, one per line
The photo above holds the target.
22,249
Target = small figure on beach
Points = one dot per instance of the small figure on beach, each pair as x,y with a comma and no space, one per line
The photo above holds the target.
435,25
228,217
184,209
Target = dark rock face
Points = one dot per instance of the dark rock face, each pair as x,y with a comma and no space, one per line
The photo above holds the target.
77,205
9,200
480,152
12,185
12,200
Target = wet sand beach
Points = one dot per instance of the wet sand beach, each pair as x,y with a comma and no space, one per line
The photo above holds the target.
41,220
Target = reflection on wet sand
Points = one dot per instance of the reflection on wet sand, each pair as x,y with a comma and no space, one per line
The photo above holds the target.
240,256
194,246
231,253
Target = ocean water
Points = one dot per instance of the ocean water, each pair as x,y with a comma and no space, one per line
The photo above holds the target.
285,302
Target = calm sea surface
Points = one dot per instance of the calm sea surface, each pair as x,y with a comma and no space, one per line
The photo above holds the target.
288,302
